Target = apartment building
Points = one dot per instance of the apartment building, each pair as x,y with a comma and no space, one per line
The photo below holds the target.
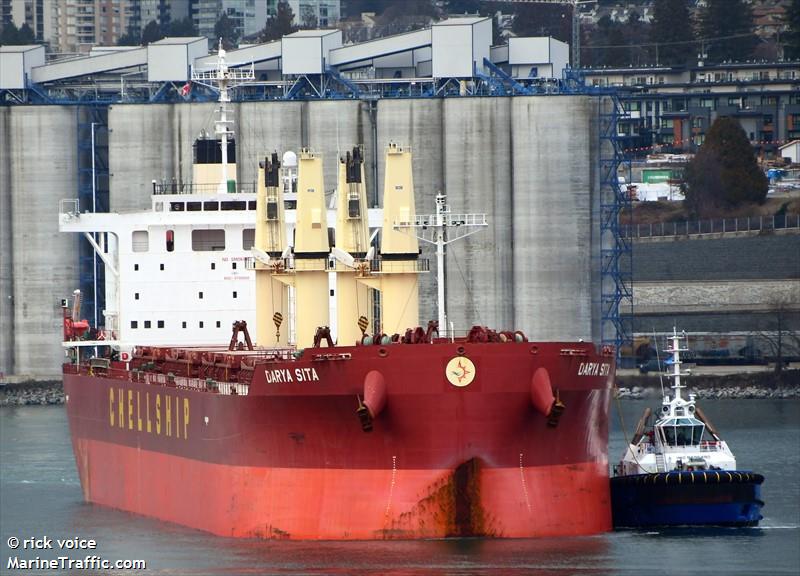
674,107
325,13
248,16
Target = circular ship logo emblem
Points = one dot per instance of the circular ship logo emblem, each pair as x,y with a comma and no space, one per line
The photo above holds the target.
460,371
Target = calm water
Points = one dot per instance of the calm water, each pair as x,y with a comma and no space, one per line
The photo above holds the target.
40,496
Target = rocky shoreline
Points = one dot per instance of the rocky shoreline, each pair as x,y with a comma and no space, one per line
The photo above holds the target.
762,385
740,386
32,393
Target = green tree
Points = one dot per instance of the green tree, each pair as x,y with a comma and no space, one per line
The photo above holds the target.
457,7
726,27
406,16
354,8
132,37
26,35
724,172
791,39
673,32
226,29
181,28
279,25
553,20
10,35
637,33
151,33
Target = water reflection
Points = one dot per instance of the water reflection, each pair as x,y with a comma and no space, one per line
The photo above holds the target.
40,496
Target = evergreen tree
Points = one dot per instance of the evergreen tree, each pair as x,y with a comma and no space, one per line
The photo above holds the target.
637,33
280,25
151,33
25,35
10,35
406,16
132,37
725,18
181,28
460,7
671,26
553,20
724,172
791,40
225,28
354,8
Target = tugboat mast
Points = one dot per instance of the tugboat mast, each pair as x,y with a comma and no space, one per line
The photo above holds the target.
676,374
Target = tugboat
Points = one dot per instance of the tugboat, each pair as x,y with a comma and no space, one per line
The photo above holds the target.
678,471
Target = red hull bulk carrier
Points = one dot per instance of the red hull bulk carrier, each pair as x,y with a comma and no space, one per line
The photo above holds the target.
412,433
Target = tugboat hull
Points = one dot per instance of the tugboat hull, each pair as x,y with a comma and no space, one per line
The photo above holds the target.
696,498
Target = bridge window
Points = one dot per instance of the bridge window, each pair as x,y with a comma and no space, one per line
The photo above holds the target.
238,205
134,324
147,323
160,323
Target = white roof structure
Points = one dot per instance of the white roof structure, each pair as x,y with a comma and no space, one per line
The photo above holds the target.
16,63
306,51
453,48
791,150
264,56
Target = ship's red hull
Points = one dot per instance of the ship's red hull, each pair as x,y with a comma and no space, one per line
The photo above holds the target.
290,458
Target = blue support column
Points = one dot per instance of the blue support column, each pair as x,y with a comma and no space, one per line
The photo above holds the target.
93,197
615,246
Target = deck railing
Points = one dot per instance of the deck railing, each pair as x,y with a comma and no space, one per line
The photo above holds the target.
165,380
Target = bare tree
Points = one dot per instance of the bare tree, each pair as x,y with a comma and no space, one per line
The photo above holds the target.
781,335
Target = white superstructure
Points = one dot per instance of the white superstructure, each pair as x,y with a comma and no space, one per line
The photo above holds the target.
175,274
681,439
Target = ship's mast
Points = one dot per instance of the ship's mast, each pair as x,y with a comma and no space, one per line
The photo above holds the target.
441,229
223,79
221,125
